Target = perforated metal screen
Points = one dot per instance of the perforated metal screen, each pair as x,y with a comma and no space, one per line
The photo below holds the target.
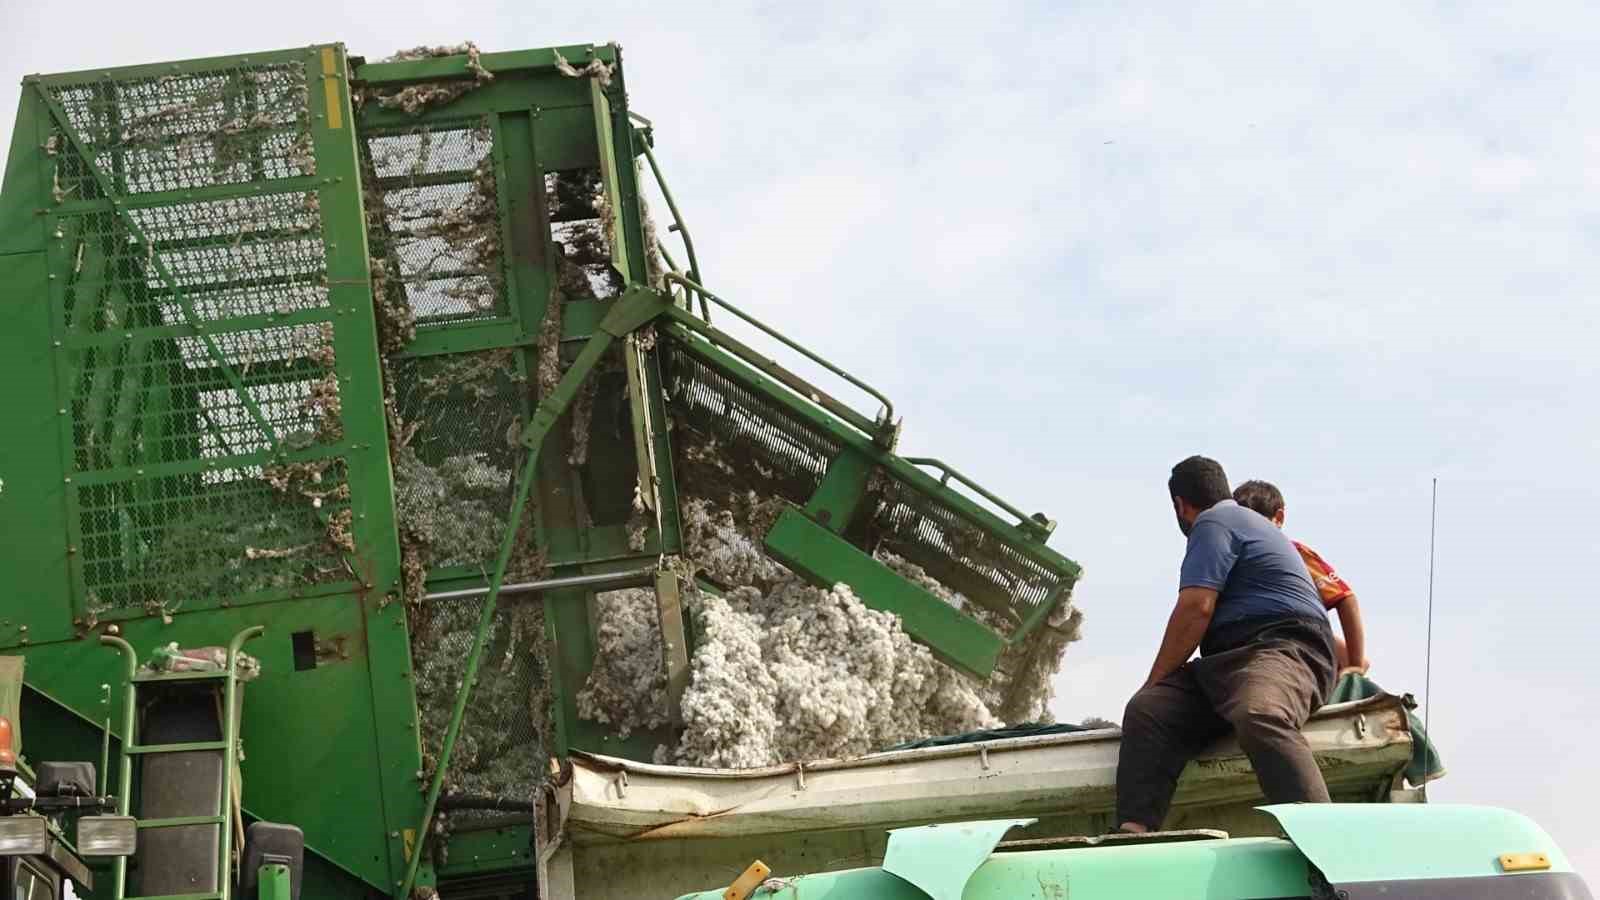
201,389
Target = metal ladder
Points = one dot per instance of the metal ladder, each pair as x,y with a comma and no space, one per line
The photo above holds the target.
228,680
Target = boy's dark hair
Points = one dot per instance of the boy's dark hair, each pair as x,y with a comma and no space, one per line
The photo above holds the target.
1261,496
1200,481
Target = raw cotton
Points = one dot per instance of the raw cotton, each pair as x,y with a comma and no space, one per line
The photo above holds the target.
785,671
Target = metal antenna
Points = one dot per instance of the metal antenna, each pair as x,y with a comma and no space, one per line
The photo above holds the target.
1427,665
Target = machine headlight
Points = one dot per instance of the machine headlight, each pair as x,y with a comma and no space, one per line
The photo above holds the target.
107,835
23,835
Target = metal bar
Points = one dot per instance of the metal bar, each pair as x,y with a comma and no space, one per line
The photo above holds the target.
296,184
1023,518
677,220
105,741
211,896
629,578
888,407
771,368
180,821
485,619
440,67
230,737
125,774
249,403
175,748
632,310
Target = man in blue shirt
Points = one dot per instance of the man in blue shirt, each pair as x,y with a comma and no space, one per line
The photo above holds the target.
1266,657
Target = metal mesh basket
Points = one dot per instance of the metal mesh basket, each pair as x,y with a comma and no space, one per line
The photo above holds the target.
760,447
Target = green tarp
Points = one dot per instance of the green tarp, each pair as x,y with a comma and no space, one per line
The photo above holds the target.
1425,765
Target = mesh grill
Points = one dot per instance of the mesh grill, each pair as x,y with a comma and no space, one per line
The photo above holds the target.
190,129
433,217
775,454
984,566
159,543
503,747
461,418
166,400
755,446
258,255
212,521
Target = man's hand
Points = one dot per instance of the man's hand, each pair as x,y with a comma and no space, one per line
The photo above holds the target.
1185,627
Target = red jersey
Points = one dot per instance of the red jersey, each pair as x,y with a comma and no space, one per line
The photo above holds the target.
1330,586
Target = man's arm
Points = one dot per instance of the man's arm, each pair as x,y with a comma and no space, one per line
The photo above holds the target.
1355,633
1185,627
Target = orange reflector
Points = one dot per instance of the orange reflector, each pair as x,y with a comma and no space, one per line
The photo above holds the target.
746,884
1524,862
8,753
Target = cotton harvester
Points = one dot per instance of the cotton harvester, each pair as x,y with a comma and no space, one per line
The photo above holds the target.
342,391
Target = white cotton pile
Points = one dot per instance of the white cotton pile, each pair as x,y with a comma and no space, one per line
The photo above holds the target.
785,671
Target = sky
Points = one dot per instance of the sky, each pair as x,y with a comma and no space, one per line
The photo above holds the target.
1348,248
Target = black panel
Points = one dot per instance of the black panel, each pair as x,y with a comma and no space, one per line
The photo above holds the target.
1533,886
180,860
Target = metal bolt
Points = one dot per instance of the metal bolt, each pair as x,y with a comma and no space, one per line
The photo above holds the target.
55,343
52,276
67,480
61,412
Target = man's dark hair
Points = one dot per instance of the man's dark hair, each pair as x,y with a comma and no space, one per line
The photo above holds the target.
1200,481
1261,496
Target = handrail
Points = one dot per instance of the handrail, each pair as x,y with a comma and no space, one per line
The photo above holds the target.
886,419
1023,519
678,224
125,770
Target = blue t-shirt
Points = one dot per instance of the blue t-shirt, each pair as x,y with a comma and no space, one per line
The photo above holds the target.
1258,575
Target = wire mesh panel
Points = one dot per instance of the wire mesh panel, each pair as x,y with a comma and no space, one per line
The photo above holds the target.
198,371
726,439
504,742
232,124
729,438
433,217
459,418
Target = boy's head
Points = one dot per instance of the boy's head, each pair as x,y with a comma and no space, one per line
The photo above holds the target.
1263,497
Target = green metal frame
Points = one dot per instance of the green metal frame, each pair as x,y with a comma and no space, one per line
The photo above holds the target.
372,831
229,745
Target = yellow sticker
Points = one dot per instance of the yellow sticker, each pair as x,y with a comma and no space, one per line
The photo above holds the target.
330,86
409,839
1524,862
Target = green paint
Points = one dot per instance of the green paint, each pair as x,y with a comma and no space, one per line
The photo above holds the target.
1240,869
941,859
162,363
1383,841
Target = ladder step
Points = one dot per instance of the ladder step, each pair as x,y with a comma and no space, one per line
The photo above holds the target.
181,676
214,895
178,748
180,821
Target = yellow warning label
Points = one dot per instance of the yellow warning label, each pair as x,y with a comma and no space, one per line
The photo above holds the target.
330,87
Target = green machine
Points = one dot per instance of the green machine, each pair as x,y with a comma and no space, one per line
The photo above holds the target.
1327,852
380,368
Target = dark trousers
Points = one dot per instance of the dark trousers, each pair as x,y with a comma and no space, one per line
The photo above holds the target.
1263,691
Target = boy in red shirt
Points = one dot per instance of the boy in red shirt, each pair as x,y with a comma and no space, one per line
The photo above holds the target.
1351,650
